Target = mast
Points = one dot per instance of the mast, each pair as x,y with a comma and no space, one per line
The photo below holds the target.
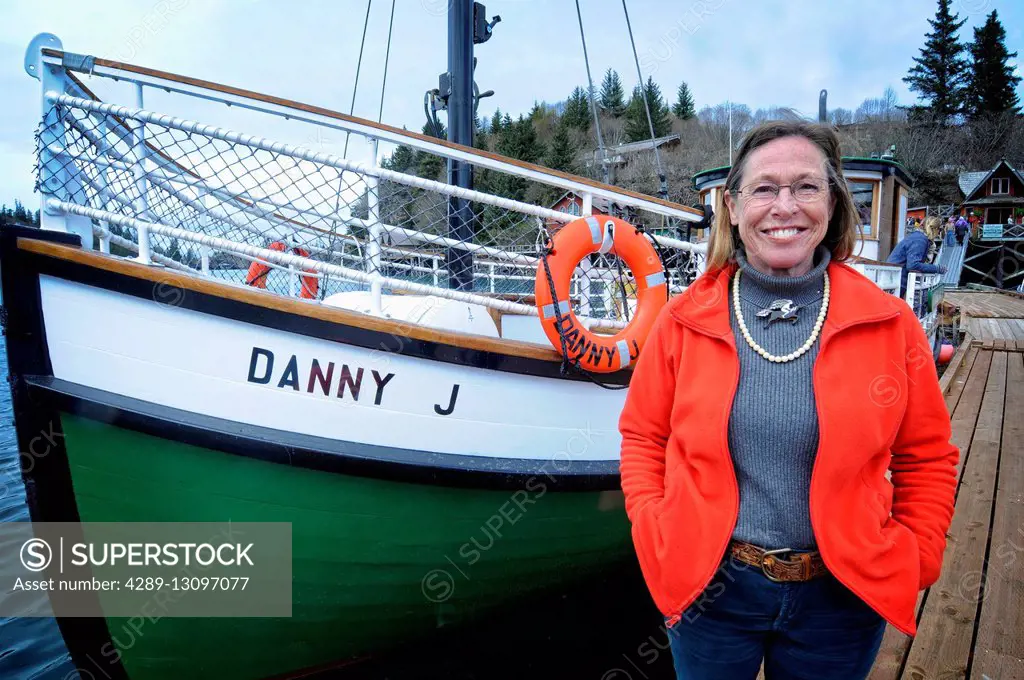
467,24
460,131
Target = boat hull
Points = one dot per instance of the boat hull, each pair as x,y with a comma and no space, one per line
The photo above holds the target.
374,562
472,477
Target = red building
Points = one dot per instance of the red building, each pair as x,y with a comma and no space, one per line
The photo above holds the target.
573,204
993,197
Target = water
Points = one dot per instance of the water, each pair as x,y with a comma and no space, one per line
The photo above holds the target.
30,648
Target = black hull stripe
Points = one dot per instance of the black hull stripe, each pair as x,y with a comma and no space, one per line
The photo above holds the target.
310,327
321,453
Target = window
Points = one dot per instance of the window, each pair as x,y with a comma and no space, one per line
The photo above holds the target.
998,215
572,208
863,193
1000,185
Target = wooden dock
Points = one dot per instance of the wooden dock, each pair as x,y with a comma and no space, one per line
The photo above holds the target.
971,622
990,315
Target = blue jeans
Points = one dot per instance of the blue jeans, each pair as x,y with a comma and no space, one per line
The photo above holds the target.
811,629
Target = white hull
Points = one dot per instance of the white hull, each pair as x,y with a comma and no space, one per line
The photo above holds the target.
201,363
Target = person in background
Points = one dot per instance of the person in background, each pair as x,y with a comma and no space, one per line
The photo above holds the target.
949,231
961,227
912,254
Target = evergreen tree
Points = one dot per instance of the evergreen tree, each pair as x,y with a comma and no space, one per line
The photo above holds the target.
402,160
520,141
637,128
396,201
174,251
612,98
577,110
684,108
940,74
562,155
497,125
497,226
993,84
428,165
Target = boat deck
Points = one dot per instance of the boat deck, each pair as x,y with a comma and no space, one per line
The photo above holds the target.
971,622
996,316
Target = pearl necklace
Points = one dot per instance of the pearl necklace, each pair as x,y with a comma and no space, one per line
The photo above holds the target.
762,351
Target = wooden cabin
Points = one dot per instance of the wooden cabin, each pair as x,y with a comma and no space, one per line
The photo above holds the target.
572,203
880,188
993,198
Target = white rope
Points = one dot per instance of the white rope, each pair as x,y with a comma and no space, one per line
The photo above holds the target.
305,154
452,243
127,244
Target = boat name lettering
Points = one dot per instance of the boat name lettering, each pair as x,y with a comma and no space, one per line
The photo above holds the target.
451,403
578,345
320,377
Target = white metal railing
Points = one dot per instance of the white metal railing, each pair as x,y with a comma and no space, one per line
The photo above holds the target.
158,184
324,118
324,159
886,277
924,295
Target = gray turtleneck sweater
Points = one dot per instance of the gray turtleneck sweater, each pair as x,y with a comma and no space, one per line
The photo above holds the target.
773,426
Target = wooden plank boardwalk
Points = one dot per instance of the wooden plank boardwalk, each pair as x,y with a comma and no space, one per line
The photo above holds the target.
971,622
989,315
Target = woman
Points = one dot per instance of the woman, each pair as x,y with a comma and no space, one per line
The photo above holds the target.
766,408
913,254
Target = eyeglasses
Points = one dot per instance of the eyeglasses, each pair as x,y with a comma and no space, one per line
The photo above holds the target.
804,190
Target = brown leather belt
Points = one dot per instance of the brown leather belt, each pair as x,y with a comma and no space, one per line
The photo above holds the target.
782,565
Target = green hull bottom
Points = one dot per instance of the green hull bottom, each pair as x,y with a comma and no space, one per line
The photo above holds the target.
364,551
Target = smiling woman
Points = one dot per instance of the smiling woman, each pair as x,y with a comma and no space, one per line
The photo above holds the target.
755,469
784,196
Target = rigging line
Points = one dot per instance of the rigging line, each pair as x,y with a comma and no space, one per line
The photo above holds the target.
663,191
344,154
593,102
387,54
359,64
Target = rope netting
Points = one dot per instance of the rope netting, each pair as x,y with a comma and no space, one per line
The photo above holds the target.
213,182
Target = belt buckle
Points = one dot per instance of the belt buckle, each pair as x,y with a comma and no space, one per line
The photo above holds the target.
764,562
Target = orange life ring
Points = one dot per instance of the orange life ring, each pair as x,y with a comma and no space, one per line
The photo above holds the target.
258,271
576,240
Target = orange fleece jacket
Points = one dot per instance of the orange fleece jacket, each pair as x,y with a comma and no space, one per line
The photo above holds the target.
879,408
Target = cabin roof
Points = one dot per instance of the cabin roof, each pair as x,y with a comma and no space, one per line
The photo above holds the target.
968,195
969,181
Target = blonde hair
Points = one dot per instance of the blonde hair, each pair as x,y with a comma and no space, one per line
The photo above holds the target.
931,226
842,233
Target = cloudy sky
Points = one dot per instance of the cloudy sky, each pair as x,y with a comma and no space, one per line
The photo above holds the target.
757,52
